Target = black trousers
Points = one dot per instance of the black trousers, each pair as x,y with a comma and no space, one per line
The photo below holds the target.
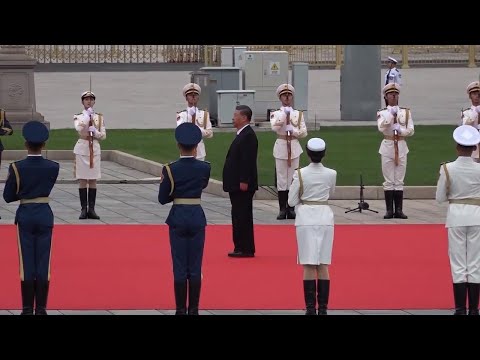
242,221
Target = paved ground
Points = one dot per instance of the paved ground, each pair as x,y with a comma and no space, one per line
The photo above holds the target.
138,204
149,99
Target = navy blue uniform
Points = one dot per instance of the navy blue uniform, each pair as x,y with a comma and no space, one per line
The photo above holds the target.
182,183
31,180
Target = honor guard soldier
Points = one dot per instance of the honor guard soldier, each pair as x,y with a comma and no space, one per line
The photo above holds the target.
470,115
91,130
182,183
459,184
392,75
311,188
290,126
396,124
30,181
5,129
192,114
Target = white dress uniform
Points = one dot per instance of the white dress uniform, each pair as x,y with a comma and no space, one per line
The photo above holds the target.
311,188
470,115
280,150
394,174
81,150
202,119
393,75
459,184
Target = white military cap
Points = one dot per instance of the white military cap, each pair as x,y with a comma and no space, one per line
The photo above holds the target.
88,94
285,88
466,135
392,59
192,88
316,144
392,87
473,86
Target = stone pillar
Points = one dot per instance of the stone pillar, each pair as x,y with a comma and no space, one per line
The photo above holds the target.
17,86
360,80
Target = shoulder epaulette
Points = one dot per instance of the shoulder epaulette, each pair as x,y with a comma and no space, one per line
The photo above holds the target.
382,109
404,108
171,162
78,114
178,112
445,162
99,114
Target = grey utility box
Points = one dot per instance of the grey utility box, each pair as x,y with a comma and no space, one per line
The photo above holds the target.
233,56
264,72
203,79
228,100
221,78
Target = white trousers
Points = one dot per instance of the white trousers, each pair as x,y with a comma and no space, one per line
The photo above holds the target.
392,174
464,253
285,173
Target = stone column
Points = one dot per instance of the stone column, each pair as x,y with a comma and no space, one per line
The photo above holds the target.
17,86
360,80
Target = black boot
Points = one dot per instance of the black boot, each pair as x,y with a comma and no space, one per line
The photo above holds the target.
309,292
180,288
290,210
398,197
92,196
282,203
323,289
194,287
460,298
41,296
28,296
473,297
389,204
83,203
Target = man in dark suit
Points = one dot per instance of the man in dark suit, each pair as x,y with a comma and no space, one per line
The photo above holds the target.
240,180
30,181
182,183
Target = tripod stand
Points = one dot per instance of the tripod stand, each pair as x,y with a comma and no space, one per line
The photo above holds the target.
362,205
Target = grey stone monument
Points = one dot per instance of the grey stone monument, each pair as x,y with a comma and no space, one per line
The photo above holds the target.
17,86
360,77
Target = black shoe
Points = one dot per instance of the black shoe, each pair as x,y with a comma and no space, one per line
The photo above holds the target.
323,293
388,204
291,213
180,288
398,198
282,203
194,287
83,203
92,196
473,298
41,296
460,298
241,254
309,294
28,296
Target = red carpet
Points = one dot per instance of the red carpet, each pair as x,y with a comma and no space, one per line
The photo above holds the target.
129,267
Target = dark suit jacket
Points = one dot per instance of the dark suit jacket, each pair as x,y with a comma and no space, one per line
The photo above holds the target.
241,162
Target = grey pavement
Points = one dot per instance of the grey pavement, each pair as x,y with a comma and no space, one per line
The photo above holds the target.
150,99
138,204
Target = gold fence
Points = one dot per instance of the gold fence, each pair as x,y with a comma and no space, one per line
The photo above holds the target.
315,55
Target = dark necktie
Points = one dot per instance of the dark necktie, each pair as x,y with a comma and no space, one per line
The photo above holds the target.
388,74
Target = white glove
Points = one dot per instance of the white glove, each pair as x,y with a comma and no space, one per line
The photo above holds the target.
289,127
92,129
394,110
477,108
90,111
396,127
192,111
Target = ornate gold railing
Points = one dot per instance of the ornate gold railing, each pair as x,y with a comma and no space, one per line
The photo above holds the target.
315,55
